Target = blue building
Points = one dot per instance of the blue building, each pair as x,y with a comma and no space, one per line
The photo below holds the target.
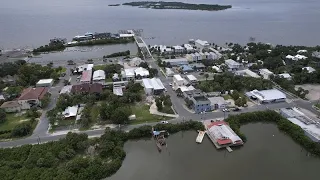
186,68
200,102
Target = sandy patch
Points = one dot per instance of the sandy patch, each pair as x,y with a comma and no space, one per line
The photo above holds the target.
314,91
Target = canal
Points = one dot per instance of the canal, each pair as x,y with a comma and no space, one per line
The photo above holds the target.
268,154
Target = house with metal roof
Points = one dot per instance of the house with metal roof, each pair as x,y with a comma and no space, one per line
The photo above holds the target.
232,65
267,96
152,86
86,76
99,76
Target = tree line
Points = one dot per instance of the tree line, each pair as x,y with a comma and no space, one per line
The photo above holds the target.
117,54
294,131
76,157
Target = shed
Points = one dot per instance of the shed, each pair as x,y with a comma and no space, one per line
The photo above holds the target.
44,83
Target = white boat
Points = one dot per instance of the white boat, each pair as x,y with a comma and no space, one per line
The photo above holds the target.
200,136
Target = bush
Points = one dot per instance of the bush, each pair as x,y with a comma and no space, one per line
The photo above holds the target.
22,129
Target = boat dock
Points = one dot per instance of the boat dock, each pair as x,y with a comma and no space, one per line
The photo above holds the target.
200,136
229,149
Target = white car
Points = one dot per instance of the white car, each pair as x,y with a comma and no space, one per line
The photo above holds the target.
164,122
170,84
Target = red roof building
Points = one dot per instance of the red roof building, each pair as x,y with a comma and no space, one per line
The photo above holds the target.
33,93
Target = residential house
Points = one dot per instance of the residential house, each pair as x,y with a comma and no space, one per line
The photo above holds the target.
198,57
193,80
95,88
232,65
178,49
188,48
265,73
141,72
135,61
178,80
128,74
80,88
186,68
176,62
85,67
309,69
191,57
31,97
44,83
285,76
66,89
86,76
11,106
70,112
247,73
197,66
169,72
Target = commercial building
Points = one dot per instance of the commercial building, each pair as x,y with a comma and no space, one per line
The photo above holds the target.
186,68
247,73
222,135
310,127
44,83
232,65
11,106
153,86
197,66
265,73
200,103
200,44
128,74
192,80
267,96
217,103
31,97
99,76
86,76
176,62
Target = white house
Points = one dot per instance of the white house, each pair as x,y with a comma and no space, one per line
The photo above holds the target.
203,56
232,65
309,69
302,51
178,80
31,97
217,69
198,56
188,48
200,44
285,76
247,72
70,111
169,72
44,83
296,57
85,67
265,73
141,72
128,74
178,49
135,61
191,57
99,76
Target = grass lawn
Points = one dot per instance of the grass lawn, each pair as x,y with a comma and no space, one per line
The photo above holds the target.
167,109
318,106
226,97
12,121
108,80
99,67
67,122
143,115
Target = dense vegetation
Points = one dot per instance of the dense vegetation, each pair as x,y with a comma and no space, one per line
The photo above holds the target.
103,42
76,157
117,54
283,124
164,104
178,5
50,47
228,81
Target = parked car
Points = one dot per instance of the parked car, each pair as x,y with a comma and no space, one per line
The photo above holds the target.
170,84
225,110
164,122
236,109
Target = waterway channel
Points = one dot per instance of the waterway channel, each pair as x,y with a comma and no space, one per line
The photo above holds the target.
268,154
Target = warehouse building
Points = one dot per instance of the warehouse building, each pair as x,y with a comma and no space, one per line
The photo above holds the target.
44,83
86,76
153,86
267,96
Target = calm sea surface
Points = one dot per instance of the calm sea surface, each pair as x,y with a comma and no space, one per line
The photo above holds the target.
33,22
268,155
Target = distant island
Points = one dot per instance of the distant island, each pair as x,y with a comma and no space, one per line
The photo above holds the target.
177,5
114,5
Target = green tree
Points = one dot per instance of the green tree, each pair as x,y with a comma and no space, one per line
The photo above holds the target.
206,76
3,116
121,115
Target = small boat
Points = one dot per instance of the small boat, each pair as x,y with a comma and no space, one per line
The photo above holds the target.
200,136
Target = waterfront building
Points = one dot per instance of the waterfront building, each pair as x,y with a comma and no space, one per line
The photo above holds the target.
84,67
310,127
222,135
200,44
44,83
176,62
265,73
267,96
135,61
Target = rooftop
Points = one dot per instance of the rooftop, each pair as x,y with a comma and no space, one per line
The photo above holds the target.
270,94
178,77
70,111
66,89
154,83
99,75
45,81
217,100
231,62
86,76
201,42
33,93
10,104
191,77
266,71
223,133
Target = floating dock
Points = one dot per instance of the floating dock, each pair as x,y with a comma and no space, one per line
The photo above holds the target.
229,149
200,136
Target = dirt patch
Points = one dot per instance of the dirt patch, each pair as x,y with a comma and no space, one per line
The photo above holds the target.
24,120
314,91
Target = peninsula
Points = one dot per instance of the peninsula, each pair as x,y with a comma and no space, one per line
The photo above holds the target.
177,5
